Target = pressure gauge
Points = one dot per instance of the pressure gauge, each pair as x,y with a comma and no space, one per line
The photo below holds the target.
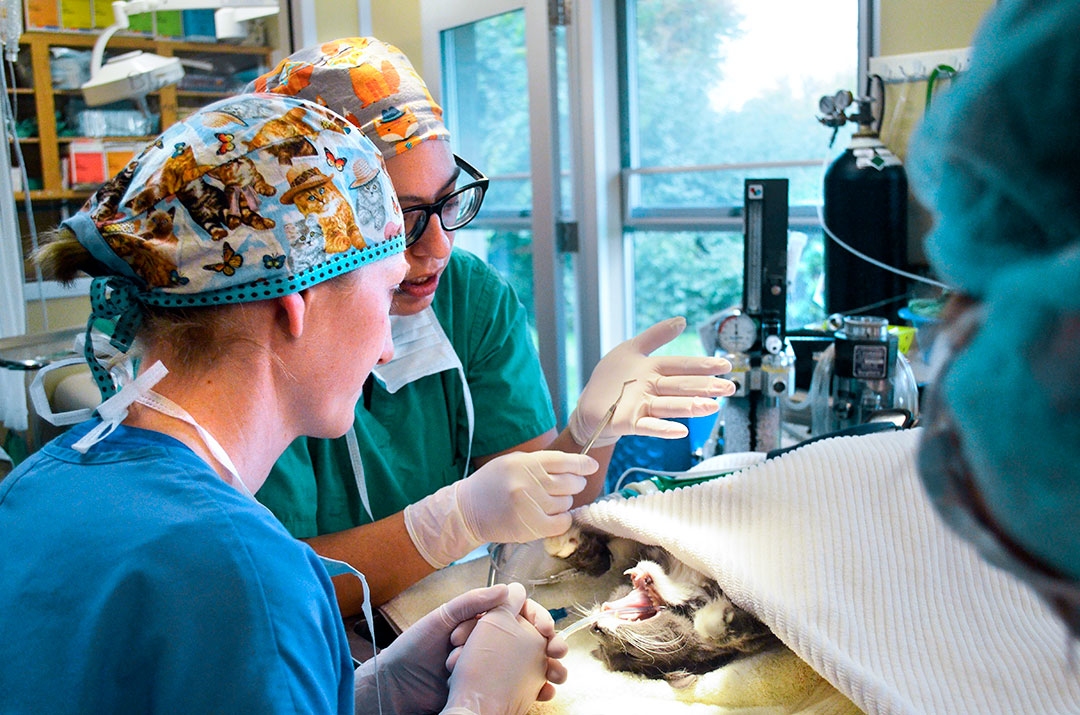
737,333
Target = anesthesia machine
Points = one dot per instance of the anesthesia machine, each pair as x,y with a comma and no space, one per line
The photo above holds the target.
752,336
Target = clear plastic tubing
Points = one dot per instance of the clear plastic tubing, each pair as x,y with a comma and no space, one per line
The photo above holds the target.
589,620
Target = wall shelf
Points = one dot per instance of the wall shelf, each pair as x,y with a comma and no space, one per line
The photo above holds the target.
61,195
207,93
917,66
170,102
68,140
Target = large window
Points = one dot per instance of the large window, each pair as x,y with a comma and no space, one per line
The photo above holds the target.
710,97
617,136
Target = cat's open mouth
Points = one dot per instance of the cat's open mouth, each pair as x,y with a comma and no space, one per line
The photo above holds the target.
643,601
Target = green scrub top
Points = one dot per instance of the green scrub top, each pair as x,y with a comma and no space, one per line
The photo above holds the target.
415,441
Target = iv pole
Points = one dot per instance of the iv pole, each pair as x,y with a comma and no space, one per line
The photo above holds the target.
13,410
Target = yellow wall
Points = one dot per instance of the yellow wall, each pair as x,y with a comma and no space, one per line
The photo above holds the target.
394,21
398,22
920,26
335,18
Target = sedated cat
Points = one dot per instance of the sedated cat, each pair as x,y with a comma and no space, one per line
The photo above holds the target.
685,627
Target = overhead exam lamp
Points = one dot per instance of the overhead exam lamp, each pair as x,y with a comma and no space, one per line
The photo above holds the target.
135,74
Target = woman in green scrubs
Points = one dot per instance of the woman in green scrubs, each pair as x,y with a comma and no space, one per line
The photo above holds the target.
465,388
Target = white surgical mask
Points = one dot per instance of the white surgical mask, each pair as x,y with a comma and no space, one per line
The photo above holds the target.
421,348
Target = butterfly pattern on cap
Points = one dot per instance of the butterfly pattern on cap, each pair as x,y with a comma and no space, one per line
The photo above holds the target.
271,262
336,162
233,181
226,140
230,261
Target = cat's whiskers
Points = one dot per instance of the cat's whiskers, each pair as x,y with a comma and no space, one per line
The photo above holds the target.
651,643
581,609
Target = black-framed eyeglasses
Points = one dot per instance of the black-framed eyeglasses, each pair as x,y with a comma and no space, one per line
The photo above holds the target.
455,210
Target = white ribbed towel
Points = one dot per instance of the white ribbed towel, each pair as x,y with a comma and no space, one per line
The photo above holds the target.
836,547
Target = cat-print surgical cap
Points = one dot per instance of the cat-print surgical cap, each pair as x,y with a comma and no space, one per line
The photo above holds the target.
249,198
370,83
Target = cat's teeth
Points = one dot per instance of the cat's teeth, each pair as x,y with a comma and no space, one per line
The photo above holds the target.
642,578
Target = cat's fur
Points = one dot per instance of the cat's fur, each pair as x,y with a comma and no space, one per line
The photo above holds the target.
285,137
697,630
370,209
159,227
110,193
306,244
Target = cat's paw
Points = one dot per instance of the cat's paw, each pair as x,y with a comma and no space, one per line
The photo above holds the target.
680,679
563,545
714,618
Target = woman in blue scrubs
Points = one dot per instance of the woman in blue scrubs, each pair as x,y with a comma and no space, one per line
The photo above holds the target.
137,572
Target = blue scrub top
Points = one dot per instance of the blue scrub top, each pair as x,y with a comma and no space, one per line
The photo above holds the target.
133,579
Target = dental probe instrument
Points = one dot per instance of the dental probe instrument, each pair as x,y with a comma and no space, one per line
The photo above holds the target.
606,421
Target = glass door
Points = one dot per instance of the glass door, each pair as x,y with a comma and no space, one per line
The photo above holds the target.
500,74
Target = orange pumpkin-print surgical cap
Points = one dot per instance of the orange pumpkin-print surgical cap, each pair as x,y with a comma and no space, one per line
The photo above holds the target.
367,81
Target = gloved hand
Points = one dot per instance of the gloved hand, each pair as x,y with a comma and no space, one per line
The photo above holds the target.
541,619
503,665
662,388
514,498
412,670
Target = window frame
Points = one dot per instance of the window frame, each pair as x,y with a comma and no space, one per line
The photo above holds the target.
718,218
712,218
542,220
601,208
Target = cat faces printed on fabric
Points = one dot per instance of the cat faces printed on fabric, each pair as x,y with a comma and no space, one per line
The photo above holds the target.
370,83
249,198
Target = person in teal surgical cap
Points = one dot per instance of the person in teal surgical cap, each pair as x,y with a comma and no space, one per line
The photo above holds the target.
998,160
137,571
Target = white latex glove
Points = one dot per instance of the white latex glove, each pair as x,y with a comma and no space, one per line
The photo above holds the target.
541,619
502,667
413,669
514,498
662,388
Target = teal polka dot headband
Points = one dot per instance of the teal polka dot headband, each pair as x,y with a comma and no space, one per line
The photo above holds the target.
250,198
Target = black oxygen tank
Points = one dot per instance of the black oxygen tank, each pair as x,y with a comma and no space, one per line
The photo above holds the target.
865,197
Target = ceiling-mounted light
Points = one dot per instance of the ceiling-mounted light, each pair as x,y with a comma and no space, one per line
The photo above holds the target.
133,75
